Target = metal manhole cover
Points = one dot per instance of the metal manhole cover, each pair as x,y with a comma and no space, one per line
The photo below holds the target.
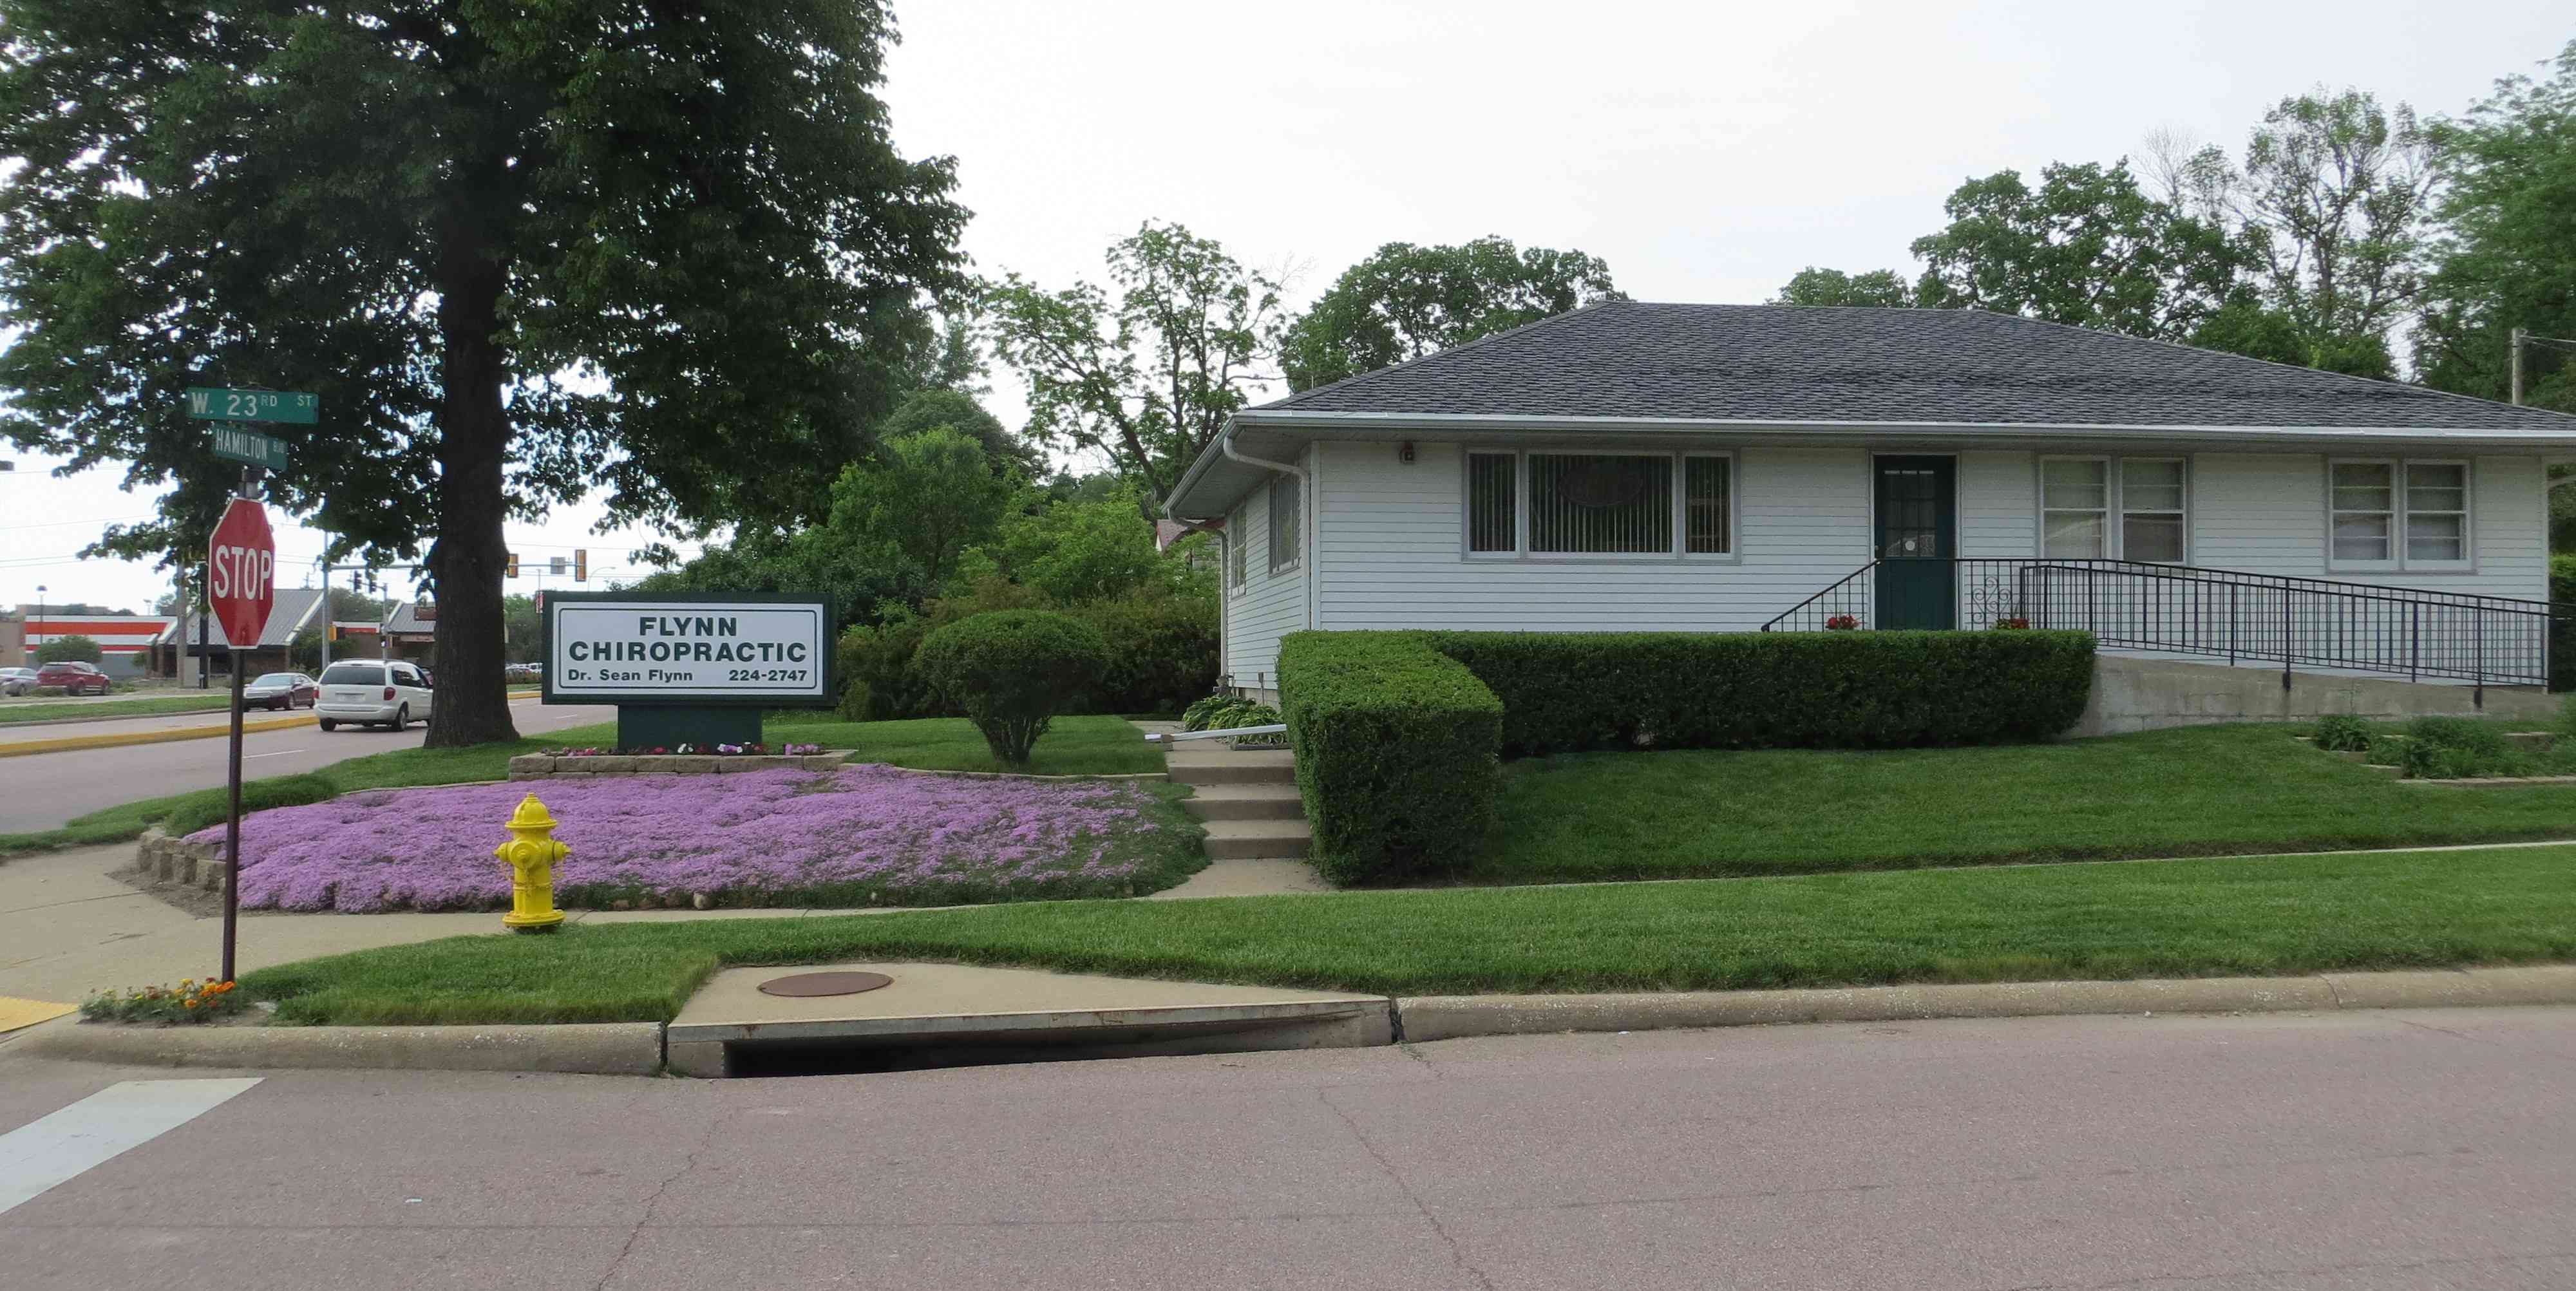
810,984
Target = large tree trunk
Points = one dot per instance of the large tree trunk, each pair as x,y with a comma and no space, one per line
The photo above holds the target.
472,706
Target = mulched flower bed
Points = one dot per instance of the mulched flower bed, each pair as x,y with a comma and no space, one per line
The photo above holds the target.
861,835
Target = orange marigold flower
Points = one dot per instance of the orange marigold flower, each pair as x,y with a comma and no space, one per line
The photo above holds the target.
190,1003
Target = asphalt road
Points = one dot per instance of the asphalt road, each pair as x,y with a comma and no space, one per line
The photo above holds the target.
44,790
2352,1151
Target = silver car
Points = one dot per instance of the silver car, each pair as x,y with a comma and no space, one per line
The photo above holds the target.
17,681
392,693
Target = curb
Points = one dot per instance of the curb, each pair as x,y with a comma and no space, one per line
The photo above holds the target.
209,731
113,717
637,1048
1448,1017
214,730
590,1048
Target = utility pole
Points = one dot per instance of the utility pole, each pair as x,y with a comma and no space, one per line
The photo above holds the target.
2515,384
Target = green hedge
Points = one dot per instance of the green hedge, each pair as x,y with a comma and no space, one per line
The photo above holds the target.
1564,691
1395,753
1399,735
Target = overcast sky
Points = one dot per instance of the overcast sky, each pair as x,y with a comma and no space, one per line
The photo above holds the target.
1706,151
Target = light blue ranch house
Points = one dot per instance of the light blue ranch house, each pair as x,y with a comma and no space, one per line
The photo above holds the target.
2246,539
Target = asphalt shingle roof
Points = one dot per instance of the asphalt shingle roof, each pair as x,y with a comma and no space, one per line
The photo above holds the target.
1788,363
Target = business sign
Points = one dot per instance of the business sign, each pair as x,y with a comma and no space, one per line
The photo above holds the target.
688,649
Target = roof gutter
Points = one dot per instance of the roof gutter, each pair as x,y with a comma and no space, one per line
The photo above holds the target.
1397,423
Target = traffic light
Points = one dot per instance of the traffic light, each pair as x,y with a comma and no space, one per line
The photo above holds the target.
513,570
580,565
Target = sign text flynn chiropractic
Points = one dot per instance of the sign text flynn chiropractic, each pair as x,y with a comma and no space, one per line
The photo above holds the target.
645,650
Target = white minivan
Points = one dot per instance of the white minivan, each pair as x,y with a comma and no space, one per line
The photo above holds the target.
390,693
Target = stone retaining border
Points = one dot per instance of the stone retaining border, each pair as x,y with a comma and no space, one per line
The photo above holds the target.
637,1048
176,860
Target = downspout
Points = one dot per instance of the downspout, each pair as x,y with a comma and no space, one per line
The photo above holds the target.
1305,507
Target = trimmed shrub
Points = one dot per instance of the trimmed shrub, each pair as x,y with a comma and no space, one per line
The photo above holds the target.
2454,748
2343,733
1164,655
1162,651
1564,691
1395,753
1011,671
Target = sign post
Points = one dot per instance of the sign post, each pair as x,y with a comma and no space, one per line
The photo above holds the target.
683,668
241,586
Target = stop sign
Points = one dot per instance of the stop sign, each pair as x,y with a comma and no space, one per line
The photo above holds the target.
241,572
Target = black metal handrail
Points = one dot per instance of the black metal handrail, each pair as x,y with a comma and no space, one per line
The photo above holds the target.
2231,614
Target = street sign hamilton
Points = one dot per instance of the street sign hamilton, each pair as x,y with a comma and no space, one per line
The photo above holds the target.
225,404
249,447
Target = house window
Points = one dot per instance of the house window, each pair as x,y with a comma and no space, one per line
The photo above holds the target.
2131,508
1238,550
1285,511
2151,509
2437,513
1708,511
1493,513
2075,508
1600,504
2389,514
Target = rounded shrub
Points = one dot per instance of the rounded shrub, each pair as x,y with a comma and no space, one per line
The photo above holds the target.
1012,670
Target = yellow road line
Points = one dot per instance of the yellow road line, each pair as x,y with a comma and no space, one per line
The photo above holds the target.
209,730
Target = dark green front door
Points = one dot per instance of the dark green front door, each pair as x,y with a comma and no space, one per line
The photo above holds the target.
1917,538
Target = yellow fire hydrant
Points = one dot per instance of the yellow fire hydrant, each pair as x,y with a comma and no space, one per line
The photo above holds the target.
532,853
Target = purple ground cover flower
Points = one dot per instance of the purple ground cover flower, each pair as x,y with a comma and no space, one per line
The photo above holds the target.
861,835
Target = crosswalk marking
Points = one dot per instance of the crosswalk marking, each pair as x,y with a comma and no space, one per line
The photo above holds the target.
126,1115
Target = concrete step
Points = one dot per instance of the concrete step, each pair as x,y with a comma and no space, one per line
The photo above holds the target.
1230,766
1246,802
1247,840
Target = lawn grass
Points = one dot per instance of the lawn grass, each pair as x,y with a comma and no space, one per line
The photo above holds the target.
2207,790
1071,746
22,710
2281,915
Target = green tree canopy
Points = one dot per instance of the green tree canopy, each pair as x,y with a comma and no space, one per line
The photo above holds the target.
2507,257
1406,301
1084,551
2085,247
520,251
1147,369
926,498
1884,288
945,406
69,650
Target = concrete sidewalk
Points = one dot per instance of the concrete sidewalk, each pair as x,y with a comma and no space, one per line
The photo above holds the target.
67,928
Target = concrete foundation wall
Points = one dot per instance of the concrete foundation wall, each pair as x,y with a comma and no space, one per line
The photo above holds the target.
2131,694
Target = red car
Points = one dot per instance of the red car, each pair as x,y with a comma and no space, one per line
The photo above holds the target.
74,677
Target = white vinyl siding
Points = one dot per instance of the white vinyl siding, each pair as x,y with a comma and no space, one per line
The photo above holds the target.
1272,602
1393,548
1391,551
